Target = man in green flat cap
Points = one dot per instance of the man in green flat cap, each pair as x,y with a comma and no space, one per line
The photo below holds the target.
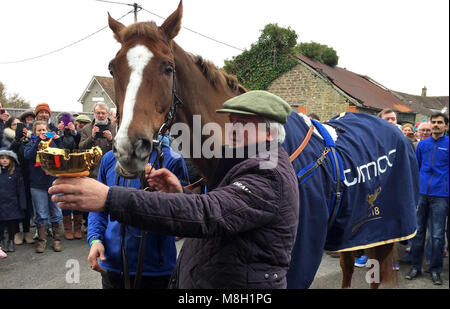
257,118
241,233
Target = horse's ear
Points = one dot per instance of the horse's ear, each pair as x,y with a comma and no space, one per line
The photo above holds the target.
116,27
172,24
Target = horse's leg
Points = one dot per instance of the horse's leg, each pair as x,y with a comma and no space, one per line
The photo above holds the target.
385,256
346,260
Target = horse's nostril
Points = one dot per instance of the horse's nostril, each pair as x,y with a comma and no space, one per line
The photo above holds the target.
143,147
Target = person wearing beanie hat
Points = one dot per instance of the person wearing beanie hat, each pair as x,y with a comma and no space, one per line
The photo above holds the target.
12,197
42,107
43,113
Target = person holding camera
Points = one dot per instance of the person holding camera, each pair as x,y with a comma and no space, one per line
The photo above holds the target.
100,132
45,210
3,118
68,132
80,122
27,118
18,136
9,132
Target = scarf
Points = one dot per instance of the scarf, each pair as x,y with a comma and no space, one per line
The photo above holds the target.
42,145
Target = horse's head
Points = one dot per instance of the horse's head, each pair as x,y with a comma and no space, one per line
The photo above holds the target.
143,72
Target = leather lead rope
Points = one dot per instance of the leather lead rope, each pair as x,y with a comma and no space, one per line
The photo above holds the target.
126,273
141,256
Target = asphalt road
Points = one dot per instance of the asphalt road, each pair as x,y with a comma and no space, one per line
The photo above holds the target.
69,269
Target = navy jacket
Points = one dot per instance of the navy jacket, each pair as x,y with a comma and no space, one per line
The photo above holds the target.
160,253
38,178
12,195
432,156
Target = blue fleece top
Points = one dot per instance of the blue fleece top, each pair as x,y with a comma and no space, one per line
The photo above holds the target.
160,253
432,156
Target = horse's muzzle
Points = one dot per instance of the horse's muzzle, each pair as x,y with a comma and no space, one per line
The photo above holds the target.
131,160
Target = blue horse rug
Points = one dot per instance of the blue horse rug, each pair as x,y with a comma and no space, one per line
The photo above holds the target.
357,191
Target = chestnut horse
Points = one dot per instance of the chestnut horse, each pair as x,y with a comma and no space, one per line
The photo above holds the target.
155,80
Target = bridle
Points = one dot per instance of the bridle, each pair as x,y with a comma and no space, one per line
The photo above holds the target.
156,145
170,116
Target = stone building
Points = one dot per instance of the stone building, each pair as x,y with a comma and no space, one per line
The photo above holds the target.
314,87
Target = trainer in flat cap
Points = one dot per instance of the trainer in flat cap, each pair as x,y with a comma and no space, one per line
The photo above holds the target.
260,103
83,118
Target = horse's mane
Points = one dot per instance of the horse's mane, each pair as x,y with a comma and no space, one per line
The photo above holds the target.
217,76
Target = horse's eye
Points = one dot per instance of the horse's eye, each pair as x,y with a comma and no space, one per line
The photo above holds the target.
110,70
168,69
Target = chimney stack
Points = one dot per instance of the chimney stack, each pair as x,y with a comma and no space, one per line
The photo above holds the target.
424,91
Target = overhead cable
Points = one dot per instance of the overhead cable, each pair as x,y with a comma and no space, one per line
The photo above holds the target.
62,48
198,33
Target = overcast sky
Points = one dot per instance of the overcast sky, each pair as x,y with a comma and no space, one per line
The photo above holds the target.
402,44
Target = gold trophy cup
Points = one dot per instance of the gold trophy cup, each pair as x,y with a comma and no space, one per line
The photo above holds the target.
63,163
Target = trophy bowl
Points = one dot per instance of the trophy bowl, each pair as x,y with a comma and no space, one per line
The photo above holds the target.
63,163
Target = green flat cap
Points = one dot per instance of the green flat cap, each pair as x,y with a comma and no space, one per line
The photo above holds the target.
83,118
260,103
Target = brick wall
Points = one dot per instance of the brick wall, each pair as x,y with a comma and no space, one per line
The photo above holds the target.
302,87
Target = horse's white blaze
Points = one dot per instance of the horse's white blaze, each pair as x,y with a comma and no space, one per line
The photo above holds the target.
138,57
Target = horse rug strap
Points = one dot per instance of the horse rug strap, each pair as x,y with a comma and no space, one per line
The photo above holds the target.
302,145
338,169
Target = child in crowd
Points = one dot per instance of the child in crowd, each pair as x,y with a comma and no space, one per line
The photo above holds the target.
45,210
12,198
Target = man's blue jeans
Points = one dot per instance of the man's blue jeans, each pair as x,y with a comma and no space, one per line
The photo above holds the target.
435,208
45,210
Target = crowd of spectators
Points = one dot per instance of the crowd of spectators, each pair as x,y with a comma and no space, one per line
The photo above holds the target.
29,204
25,202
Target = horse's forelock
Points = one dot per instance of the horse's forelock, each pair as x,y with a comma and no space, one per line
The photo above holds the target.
147,30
